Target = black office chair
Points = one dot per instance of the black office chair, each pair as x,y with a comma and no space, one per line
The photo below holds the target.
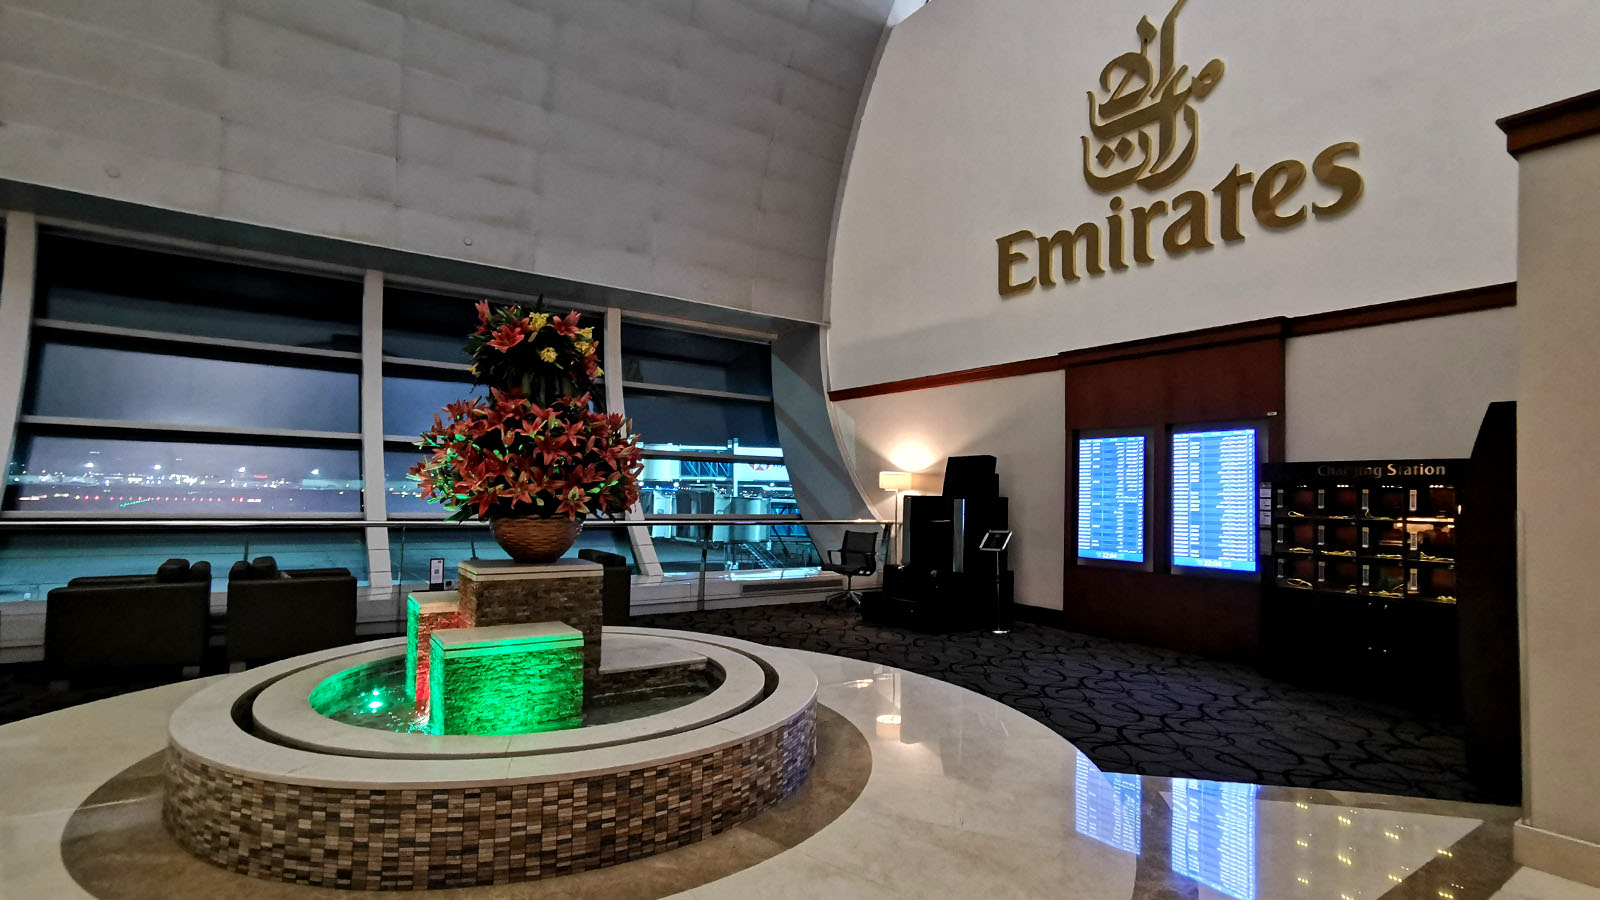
858,557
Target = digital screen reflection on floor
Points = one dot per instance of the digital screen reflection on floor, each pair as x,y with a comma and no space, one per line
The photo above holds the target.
1214,835
1106,806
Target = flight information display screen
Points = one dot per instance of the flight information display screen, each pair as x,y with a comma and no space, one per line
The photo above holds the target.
1111,488
1214,500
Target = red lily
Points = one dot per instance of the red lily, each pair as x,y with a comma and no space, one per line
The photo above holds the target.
552,445
574,503
507,336
484,501
567,327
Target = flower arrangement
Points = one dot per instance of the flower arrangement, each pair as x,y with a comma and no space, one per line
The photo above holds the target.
546,356
533,448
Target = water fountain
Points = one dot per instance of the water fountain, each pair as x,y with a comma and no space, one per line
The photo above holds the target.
326,770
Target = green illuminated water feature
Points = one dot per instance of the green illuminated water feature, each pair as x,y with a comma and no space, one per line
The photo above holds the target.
375,696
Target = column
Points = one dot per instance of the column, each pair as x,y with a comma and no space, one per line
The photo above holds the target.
1558,498
16,312
374,497
644,552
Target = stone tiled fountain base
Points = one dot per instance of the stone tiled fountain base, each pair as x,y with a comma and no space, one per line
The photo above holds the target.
442,837
434,819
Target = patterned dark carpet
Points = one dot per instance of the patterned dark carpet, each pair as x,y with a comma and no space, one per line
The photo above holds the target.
1131,708
1139,709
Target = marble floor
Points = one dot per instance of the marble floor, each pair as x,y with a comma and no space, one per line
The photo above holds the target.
922,790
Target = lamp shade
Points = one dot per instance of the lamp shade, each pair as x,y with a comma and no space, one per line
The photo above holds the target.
894,481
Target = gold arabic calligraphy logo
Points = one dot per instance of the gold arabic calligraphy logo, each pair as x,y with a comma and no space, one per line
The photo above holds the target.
1142,112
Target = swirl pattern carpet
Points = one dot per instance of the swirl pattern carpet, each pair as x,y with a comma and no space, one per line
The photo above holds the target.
1140,709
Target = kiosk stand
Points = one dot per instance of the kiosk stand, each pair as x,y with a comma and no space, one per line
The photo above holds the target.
942,584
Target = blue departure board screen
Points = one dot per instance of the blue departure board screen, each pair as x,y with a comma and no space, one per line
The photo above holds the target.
1214,500
1111,481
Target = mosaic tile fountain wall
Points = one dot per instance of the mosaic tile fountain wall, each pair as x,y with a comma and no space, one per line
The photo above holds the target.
512,688
437,611
573,600
371,839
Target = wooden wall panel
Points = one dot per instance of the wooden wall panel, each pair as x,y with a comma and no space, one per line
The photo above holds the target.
1238,376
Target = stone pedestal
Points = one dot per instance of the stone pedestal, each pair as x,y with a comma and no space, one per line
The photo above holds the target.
506,679
502,592
427,612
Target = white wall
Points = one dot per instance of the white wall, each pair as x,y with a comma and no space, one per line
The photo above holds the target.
1016,420
1413,389
1558,430
971,131
689,148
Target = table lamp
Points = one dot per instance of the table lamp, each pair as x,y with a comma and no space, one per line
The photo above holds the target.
896,482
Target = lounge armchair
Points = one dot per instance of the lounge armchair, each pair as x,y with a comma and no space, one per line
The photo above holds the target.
124,621
275,614
616,590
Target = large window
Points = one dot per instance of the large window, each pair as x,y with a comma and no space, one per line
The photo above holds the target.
89,283
143,478
667,357
702,406
77,381
31,564
171,384
424,369
162,384
409,404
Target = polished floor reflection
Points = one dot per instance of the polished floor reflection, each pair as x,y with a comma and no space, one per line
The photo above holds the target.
963,797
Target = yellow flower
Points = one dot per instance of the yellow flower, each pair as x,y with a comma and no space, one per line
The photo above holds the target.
598,371
538,320
548,354
586,333
582,347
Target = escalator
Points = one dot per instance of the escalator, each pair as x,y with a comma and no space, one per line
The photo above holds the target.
764,558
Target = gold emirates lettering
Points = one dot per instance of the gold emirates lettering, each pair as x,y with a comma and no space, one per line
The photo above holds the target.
1145,131
1189,229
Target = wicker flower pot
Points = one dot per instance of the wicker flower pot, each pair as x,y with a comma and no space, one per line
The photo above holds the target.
531,540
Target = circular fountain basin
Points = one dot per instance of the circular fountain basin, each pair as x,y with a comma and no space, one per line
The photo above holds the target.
282,713
314,801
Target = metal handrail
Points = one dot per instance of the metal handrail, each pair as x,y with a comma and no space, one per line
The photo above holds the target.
7,524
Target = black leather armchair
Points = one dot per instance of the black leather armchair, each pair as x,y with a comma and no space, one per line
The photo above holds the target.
858,557
275,614
616,591
118,621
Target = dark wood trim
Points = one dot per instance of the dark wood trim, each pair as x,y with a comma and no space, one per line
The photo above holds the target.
1551,124
1493,296
946,379
1261,329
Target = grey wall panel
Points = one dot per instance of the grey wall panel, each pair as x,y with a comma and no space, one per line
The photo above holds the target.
687,148
824,484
